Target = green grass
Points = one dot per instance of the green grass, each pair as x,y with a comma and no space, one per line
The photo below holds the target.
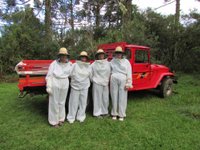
152,122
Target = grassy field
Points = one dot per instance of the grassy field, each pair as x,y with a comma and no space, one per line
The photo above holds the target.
152,123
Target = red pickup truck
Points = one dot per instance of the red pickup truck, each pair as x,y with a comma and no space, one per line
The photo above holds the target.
145,75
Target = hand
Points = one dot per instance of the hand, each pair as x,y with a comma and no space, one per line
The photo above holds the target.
126,88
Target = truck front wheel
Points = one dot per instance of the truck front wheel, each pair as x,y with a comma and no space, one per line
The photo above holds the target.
166,88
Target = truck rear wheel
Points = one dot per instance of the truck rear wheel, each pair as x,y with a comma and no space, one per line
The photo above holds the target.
166,88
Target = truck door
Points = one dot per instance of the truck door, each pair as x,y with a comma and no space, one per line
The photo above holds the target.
141,69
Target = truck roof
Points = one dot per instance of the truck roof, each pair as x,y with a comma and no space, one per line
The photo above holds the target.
122,44
137,46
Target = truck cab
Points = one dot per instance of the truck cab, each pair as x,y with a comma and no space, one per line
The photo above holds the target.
145,75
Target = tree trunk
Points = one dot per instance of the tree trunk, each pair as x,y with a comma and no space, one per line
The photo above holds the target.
97,16
177,15
48,22
127,16
176,34
72,15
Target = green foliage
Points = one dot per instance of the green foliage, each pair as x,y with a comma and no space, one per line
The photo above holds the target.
163,28
176,47
189,52
24,39
79,40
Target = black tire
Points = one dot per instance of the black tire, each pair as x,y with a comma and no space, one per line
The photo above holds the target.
166,88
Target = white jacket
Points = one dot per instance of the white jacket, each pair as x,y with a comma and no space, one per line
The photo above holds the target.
80,75
122,67
101,72
59,70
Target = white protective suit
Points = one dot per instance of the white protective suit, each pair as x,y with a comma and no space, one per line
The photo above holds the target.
57,87
100,76
80,82
121,76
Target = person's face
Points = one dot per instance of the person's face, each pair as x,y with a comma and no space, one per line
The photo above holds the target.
63,58
84,59
119,55
101,56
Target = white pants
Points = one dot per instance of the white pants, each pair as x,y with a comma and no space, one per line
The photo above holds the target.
118,95
57,100
77,105
100,99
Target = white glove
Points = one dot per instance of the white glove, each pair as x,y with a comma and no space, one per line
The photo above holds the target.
49,85
129,83
49,90
129,86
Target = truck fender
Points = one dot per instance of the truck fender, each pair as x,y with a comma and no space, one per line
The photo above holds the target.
162,76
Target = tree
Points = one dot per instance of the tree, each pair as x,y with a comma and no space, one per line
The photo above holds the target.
72,15
91,11
176,32
127,10
48,22
190,45
113,14
23,40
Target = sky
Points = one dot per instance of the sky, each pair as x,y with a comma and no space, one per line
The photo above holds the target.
185,5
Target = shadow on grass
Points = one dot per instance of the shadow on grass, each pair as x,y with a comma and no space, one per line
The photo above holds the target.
191,111
144,95
190,114
39,104
36,105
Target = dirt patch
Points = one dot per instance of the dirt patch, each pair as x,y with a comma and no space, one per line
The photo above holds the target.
193,115
9,78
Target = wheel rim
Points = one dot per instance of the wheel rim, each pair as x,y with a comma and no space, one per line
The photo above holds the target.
169,90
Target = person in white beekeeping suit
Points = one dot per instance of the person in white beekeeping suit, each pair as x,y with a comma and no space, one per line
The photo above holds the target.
100,77
120,82
57,87
80,82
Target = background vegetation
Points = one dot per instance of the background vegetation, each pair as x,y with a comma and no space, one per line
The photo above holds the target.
26,36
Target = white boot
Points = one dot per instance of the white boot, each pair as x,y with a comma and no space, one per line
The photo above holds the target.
114,118
71,122
121,119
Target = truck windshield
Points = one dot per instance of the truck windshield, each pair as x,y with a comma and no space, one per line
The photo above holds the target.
127,53
141,56
110,53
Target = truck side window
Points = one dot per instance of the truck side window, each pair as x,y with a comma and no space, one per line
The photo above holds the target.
127,53
141,56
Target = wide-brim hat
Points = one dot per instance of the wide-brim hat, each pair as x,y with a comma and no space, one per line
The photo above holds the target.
63,51
100,51
83,54
119,49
